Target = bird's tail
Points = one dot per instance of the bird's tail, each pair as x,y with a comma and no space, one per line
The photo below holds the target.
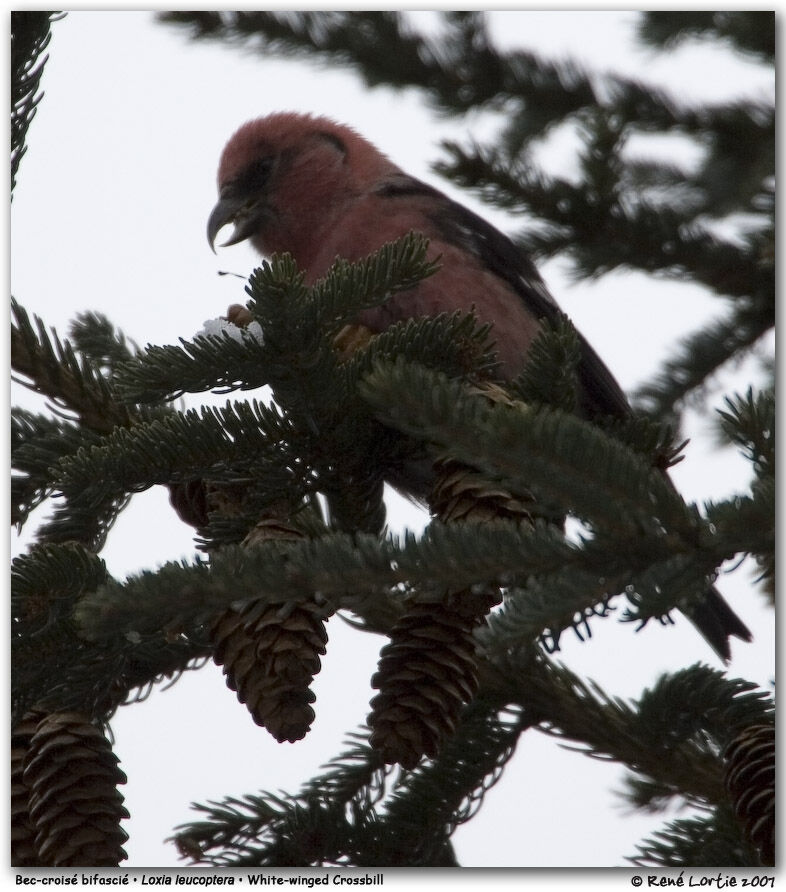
717,622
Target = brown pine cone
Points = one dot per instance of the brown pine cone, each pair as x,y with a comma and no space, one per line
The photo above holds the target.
429,670
750,780
72,775
189,500
426,673
461,493
270,654
23,833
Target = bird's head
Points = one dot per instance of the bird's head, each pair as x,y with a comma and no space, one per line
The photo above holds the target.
284,177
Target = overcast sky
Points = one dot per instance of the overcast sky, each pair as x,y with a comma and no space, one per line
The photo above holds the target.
109,214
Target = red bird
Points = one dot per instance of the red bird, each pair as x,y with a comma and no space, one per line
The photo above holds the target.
318,190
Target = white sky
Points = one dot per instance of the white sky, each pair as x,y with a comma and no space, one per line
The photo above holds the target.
109,214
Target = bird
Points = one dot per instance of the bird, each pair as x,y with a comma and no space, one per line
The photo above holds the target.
318,190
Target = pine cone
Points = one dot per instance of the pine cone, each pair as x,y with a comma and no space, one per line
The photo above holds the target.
194,499
189,500
429,670
750,779
270,654
461,493
23,833
426,673
72,775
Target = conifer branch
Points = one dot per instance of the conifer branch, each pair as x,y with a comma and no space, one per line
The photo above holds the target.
350,287
431,801
568,463
566,585
248,830
685,375
81,384
97,340
74,569
38,442
545,606
706,840
747,526
240,437
55,370
357,572
424,806
717,706
749,423
458,69
208,362
270,830
298,326
642,734
30,35
454,343
623,231
749,31
54,667
550,375
680,579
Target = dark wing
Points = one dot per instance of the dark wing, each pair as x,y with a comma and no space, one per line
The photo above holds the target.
600,394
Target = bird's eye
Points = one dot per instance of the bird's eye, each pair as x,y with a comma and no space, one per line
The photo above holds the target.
256,175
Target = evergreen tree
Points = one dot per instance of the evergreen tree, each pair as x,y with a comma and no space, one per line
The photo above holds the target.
286,498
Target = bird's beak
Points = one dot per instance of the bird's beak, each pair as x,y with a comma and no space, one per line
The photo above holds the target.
231,210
